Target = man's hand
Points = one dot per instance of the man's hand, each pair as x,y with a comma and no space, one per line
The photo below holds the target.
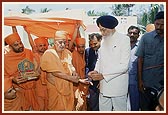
94,75
74,79
85,81
20,79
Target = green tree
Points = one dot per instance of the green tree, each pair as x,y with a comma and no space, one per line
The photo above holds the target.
27,10
144,19
121,9
148,17
152,13
128,8
44,10
117,10
93,13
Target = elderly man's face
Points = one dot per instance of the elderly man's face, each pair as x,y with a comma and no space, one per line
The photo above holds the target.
105,31
59,44
17,46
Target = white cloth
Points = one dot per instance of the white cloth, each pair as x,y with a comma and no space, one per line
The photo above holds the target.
113,59
118,103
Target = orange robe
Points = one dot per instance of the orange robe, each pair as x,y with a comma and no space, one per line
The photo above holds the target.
25,91
78,62
14,104
41,87
60,95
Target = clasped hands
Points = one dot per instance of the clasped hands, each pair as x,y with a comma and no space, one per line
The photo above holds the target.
95,76
84,81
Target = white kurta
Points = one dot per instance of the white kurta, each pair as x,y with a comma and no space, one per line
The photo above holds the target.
114,55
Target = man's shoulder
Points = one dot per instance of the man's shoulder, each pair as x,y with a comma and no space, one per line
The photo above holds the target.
67,51
149,35
88,49
27,50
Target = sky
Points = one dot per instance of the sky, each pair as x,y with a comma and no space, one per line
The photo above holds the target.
55,6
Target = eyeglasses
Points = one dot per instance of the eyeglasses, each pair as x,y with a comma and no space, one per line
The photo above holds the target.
134,33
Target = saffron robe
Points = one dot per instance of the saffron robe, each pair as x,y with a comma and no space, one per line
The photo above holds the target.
25,91
78,62
41,87
60,95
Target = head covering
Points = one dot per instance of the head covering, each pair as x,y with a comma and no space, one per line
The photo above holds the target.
7,84
107,21
159,15
61,35
41,40
10,39
150,27
80,41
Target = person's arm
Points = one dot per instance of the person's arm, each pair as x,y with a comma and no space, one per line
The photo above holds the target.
65,76
19,79
14,29
32,44
75,34
140,68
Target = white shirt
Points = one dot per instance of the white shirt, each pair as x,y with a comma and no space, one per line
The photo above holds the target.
114,55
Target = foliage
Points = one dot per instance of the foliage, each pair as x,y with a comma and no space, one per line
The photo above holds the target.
27,10
121,9
148,17
44,10
93,13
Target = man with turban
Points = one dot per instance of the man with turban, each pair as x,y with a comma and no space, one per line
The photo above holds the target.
25,89
39,46
60,74
112,66
78,61
150,54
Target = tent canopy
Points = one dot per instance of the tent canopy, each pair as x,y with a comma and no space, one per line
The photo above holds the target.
45,24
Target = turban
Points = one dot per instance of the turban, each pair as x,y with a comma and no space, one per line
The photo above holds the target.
159,15
7,84
108,21
150,27
41,40
80,41
61,35
10,39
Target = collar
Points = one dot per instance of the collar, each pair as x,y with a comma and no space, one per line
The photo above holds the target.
135,45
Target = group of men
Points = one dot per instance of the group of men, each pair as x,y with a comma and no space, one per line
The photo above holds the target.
99,78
